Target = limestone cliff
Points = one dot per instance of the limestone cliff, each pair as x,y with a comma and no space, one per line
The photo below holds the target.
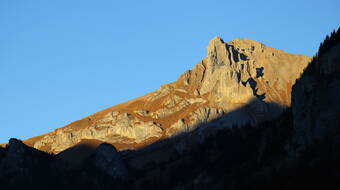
243,77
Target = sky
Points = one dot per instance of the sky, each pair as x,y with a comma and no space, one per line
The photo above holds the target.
62,60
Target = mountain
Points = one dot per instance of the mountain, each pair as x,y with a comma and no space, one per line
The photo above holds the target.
295,147
243,77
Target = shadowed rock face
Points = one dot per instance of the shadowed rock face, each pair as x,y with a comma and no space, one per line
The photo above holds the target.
16,154
316,103
232,75
107,159
19,162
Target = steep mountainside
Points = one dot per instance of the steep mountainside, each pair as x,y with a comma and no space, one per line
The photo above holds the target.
242,76
316,98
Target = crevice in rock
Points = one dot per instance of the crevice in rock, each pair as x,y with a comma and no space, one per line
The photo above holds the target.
237,56
253,85
259,72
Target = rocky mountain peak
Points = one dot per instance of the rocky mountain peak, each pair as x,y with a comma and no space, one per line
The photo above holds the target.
242,77
215,45
241,69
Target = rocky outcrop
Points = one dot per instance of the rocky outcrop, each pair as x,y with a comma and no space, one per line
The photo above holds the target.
240,82
15,155
107,159
112,128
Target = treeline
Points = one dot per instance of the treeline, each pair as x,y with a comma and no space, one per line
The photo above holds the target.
330,41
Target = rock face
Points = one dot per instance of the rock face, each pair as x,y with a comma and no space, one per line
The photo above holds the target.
104,129
107,159
243,80
316,102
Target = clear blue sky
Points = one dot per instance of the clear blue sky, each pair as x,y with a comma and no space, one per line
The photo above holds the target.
61,60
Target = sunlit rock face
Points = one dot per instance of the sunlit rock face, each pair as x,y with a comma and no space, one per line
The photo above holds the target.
239,82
